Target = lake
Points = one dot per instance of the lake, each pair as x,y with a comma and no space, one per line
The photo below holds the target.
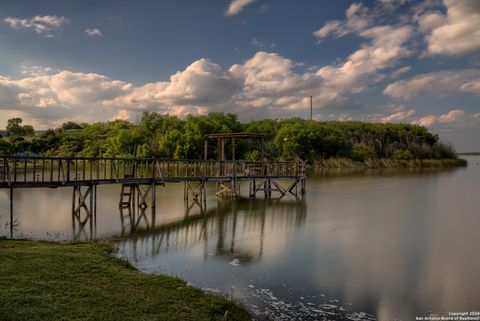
361,245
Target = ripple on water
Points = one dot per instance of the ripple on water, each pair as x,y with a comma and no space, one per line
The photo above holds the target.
266,306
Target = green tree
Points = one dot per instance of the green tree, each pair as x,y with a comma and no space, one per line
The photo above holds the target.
71,125
14,127
28,130
5,147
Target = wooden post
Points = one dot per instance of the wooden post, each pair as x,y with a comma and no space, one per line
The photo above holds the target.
94,218
262,154
83,169
233,149
73,208
222,143
15,170
95,205
269,189
34,169
91,205
11,212
204,187
25,170
43,170
154,195
205,152
68,170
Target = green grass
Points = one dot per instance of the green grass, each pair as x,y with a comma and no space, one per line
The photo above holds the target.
84,281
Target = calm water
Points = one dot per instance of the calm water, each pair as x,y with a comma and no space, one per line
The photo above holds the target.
386,245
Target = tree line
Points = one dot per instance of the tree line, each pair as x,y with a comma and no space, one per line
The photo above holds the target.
166,136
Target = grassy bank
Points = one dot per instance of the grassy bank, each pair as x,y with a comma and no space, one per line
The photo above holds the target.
84,281
390,163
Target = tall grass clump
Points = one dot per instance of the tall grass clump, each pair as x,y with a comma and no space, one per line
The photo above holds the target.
439,150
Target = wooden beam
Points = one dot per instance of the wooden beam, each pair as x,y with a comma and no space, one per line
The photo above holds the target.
205,152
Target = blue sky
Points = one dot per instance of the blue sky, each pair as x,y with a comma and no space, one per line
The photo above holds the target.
378,61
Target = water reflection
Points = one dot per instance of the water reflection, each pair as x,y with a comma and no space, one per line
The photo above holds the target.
83,227
133,219
216,230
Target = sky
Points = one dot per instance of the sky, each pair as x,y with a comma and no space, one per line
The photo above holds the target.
378,61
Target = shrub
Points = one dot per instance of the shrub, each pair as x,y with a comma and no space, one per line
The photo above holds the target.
402,154
361,152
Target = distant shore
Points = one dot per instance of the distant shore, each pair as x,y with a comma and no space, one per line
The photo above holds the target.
389,163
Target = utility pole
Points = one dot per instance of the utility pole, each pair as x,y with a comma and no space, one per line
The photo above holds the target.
311,107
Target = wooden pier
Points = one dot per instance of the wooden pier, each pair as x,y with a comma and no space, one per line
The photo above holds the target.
138,177
53,172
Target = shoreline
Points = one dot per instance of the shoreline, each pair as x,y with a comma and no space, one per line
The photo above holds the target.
80,281
382,163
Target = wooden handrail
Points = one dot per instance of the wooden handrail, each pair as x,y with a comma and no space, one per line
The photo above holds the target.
58,171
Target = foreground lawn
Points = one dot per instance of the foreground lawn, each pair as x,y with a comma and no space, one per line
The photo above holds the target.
84,281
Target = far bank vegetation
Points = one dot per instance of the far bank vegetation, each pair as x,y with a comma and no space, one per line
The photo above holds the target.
324,144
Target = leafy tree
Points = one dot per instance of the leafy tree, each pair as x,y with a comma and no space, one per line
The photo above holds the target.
14,127
28,130
71,125
5,147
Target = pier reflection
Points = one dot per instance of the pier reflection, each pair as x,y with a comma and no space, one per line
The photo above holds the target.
234,230
84,227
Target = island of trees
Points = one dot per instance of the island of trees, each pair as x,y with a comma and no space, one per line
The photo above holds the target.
323,143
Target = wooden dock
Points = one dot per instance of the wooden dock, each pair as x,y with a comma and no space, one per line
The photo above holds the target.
139,176
31,172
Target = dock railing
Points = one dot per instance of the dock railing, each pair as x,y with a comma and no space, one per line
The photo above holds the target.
59,171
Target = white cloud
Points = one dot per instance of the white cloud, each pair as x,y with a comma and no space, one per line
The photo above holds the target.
266,85
267,81
426,121
236,6
27,69
391,113
443,82
358,19
386,49
456,32
397,73
386,46
472,87
398,116
455,118
60,96
40,24
270,81
451,116
93,32
203,83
